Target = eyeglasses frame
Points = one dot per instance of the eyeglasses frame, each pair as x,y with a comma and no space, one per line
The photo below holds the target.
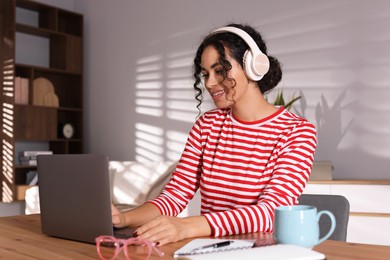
121,244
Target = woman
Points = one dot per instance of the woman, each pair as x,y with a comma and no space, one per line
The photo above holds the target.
246,156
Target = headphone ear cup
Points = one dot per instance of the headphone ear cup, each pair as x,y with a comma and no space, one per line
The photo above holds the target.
260,64
248,67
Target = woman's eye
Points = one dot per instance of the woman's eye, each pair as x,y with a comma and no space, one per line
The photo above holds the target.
205,75
219,72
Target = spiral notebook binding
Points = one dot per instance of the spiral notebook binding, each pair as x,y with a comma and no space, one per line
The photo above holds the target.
215,250
189,249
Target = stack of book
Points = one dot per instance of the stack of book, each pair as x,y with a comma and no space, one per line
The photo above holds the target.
30,157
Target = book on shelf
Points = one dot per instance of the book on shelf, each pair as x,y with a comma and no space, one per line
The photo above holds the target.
34,153
17,86
28,162
21,90
27,158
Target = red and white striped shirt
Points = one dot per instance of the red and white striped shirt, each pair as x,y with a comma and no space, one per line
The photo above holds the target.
244,170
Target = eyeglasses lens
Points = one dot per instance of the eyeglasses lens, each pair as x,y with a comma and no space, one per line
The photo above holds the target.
107,248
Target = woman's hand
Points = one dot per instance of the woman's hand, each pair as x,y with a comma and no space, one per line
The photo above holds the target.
165,229
118,219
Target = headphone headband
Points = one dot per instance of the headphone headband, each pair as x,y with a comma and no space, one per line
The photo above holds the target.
243,35
256,63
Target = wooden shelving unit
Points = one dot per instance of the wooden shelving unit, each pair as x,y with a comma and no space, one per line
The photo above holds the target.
24,123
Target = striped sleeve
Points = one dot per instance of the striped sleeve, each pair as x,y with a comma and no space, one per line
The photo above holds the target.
185,179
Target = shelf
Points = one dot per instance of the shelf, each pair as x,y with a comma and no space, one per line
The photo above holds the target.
48,140
42,32
67,84
65,51
21,166
27,126
38,69
70,109
53,19
66,109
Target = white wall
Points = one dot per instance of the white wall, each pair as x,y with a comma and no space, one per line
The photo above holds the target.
336,53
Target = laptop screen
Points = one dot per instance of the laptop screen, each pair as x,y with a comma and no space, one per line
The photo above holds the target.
75,198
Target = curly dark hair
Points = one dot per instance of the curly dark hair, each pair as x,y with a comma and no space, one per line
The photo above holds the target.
237,48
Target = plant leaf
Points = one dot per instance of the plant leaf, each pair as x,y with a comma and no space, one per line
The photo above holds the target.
291,102
280,101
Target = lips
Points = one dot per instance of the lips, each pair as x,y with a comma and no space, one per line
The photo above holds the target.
217,94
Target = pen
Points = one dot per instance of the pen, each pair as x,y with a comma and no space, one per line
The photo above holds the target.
215,245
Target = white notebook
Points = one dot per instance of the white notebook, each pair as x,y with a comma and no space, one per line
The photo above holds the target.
191,247
244,250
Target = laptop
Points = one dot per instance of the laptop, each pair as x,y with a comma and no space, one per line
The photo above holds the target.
75,197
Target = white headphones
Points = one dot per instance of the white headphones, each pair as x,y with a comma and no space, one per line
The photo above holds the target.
256,63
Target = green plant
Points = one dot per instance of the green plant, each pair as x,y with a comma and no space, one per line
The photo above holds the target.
279,100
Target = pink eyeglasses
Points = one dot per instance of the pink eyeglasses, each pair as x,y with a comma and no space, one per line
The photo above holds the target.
102,242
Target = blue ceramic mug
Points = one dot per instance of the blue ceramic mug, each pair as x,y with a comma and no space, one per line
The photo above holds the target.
299,225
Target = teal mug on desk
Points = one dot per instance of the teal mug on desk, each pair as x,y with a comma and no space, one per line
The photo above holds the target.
299,225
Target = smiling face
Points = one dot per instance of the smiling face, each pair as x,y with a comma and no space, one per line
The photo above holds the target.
226,90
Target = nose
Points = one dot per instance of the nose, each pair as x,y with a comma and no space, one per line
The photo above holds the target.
211,81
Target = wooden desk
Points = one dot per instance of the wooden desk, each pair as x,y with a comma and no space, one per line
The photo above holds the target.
21,238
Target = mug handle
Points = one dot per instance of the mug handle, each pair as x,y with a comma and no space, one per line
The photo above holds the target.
332,227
